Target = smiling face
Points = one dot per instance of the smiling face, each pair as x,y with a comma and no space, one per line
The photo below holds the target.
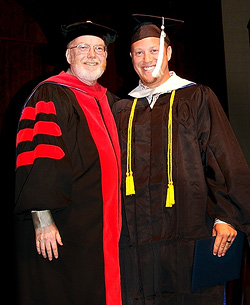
144,54
87,67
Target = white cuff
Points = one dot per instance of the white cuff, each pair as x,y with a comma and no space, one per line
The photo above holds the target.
217,220
42,218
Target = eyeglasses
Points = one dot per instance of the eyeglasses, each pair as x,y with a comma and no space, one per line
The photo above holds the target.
85,48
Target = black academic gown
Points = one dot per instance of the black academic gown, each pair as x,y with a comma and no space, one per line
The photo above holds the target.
68,161
211,180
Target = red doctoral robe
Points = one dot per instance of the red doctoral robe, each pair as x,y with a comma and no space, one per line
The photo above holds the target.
68,161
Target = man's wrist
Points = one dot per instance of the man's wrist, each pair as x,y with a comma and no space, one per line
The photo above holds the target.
42,218
217,221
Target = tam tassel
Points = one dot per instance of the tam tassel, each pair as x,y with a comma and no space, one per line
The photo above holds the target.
161,51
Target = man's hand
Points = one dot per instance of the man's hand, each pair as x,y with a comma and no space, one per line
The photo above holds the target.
46,241
225,236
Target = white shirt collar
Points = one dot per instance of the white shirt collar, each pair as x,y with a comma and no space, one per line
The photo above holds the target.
173,83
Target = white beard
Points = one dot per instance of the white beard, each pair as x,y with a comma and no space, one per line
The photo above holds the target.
86,75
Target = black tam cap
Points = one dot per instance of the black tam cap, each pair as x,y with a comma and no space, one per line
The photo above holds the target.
72,31
151,26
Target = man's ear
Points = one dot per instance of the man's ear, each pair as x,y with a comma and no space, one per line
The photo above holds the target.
169,52
68,56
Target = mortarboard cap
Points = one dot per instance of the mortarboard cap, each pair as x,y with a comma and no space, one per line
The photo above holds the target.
72,31
150,26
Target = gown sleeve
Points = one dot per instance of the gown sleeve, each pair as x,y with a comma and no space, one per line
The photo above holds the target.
226,171
43,163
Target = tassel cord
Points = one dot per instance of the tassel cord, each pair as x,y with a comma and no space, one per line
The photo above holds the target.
130,188
160,56
170,200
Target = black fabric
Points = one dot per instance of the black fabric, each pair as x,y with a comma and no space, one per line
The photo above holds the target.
148,30
211,180
210,270
143,26
112,98
72,31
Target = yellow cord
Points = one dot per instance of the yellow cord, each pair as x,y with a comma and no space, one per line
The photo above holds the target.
130,185
170,200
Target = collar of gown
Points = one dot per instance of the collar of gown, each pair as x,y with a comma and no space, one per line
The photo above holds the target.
173,83
70,81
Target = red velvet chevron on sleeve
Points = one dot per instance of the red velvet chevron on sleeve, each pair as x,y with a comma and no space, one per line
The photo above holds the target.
30,126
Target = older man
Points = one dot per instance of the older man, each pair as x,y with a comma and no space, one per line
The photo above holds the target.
184,176
67,182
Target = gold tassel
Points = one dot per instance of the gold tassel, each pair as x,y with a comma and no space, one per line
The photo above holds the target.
130,186
170,200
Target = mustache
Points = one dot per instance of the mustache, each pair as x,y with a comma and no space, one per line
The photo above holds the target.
91,61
